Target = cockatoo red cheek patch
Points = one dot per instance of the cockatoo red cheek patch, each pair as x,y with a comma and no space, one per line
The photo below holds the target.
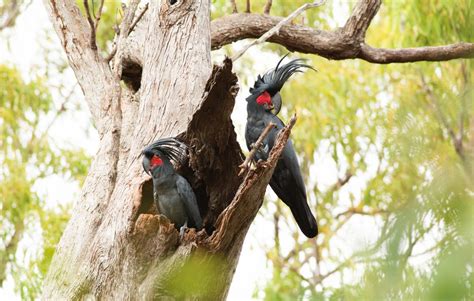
156,161
264,98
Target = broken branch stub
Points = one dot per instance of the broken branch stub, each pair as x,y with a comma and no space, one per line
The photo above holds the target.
245,166
234,221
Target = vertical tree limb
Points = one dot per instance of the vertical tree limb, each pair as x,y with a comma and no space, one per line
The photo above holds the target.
360,19
234,6
92,72
268,7
92,26
124,31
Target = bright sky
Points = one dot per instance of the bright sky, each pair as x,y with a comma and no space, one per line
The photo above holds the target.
25,49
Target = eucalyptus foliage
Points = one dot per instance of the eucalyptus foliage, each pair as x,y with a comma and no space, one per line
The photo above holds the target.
387,151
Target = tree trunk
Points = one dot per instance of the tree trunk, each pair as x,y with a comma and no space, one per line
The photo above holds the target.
115,246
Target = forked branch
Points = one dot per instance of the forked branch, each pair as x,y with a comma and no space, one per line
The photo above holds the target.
93,23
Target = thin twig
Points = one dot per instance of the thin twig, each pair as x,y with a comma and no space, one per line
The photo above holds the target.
62,109
99,14
92,25
277,27
355,210
111,54
244,166
138,19
234,7
342,181
124,30
268,7
341,266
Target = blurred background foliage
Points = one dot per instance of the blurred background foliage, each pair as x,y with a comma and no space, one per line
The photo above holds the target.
386,151
28,155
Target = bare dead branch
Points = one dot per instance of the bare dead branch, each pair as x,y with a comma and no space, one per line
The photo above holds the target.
246,164
278,26
132,27
247,7
99,14
408,55
336,44
92,41
268,7
92,72
234,6
112,53
249,197
360,19
138,18
125,27
329,44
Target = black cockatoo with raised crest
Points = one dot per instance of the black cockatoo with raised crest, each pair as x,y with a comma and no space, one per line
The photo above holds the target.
172,193
263,105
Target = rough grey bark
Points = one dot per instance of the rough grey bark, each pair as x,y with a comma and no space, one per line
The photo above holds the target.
115,246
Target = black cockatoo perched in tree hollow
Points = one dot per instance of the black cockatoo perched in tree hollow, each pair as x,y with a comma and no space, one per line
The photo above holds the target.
172,193
287,181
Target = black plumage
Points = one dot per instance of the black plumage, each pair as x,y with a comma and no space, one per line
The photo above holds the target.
273,80
172,193
287,181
